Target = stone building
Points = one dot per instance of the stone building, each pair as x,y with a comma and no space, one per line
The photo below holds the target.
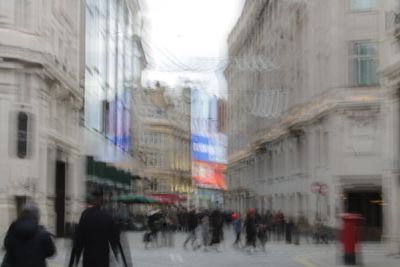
162,139
41,96
311,119
391,78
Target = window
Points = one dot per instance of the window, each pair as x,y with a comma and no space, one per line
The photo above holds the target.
363,63
22,142
362,5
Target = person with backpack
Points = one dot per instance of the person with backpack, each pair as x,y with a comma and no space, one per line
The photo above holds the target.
27,243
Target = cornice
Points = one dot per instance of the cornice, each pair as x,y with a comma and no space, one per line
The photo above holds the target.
320,106
46,63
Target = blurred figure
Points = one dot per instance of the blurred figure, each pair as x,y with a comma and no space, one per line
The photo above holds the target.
251,231
262,234
269,222
304,228
279,224
205,229
154,223
289,230
164,228
192,223
123,243
216,223
237,227
96,233
171,222
27,243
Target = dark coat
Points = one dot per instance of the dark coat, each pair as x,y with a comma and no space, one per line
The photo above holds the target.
95,234
28,244
216,223
192,221
251,231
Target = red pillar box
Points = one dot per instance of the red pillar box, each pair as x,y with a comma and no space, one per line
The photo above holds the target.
350,237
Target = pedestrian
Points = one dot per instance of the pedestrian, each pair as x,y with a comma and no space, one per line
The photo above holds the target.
237,227
289,230
95,234
205,230
280,224
192,223
262,234
171,227
27,243
216,223
251,231
154,223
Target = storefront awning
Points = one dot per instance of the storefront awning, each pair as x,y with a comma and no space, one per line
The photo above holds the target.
96,170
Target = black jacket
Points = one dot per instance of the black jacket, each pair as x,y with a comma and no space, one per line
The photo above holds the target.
96,232
250,225
192,221
28,244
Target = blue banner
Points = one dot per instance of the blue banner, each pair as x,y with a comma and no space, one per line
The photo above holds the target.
200,148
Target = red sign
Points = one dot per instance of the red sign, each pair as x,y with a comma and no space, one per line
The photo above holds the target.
166,198
209,175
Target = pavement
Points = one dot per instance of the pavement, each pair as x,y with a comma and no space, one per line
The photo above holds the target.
277,254
370,255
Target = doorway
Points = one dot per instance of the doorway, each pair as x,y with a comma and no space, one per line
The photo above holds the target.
369,205
60,198
20,202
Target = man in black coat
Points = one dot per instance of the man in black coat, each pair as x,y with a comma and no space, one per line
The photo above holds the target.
217,224
192,222
251,230
95,234
27,243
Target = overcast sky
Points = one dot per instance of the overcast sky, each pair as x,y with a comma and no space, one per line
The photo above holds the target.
185,36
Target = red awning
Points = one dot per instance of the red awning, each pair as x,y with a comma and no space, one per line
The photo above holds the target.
167,199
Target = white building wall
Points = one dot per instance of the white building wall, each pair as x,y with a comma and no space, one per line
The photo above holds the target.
346,132
39,69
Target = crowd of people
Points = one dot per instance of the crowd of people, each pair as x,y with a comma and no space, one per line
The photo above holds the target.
99,234
205,228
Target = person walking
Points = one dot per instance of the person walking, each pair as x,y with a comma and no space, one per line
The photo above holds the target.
251,231
154,218
217,224
289,230
27,243
95,234
205,230
192,223
237,227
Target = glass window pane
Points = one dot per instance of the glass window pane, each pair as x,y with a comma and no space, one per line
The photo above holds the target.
362,5
363,63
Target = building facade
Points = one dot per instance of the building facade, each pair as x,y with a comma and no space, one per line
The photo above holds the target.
391,77
113,64
40,101
208,147
163,140
311,119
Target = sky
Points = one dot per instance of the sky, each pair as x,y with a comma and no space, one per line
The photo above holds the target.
187,39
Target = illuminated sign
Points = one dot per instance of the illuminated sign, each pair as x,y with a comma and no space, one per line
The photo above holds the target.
209,175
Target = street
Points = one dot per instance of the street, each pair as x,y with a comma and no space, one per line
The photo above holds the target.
278,254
